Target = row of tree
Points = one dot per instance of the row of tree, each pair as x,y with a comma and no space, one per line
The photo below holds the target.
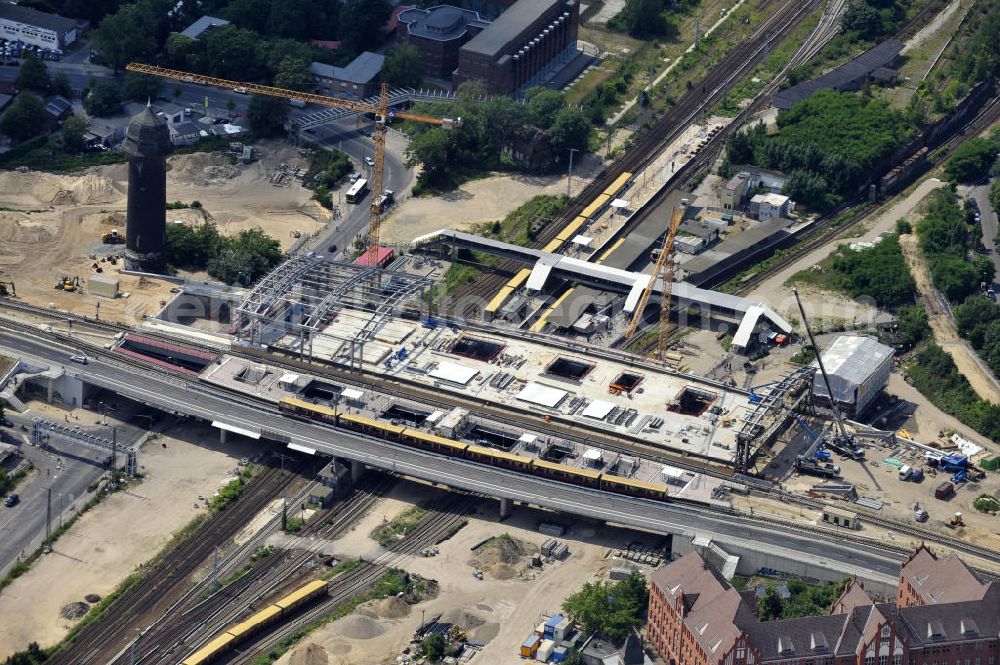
828,144
240,259
262,35
946,237
934,373
449,155
879,272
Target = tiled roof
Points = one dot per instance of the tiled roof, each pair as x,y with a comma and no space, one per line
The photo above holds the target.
942,580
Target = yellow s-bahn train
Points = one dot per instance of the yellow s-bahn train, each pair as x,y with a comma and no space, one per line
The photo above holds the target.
271,614
298,408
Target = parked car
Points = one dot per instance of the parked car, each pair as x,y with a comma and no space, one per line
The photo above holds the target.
240,89
12,501
369,161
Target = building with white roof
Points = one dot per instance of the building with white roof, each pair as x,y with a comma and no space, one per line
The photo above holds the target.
770,205
858,368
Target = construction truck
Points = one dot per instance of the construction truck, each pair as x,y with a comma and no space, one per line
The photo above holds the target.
113,237
955,521
67,283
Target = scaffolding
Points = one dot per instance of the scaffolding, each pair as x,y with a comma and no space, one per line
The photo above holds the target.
295,306
42,431
773,409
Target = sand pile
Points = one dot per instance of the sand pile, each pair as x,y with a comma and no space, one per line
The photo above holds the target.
392,608
15,228
312,654
483,634
201,169
93,188
461,618
360,627
501,556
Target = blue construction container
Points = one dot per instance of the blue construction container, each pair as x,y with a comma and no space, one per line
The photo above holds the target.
559,654
551,624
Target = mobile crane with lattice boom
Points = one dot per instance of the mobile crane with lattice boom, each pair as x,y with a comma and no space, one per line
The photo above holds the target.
380,110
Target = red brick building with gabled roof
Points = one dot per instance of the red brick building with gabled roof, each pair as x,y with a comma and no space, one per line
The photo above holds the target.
944,615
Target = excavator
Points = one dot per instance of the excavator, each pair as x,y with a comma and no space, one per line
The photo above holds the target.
113,237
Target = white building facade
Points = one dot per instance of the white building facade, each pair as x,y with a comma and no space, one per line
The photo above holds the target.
34,27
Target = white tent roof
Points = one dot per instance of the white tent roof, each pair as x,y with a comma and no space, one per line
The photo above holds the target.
454,373
598,409
593,454
352,393
849,362
538,393
583,241
619,203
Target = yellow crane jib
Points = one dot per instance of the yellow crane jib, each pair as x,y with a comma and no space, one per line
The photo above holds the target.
380,110
665,259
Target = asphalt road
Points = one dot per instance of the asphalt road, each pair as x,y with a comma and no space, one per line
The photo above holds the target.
988,221
181,396
67,475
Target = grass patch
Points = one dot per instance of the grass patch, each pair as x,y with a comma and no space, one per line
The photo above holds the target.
987,504
343,567
806,355
232,490
294,525
400,526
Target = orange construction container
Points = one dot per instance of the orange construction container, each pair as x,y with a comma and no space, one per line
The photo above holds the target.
530,646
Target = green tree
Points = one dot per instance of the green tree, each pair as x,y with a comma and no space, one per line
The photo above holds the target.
995,195
141,87
863,19
233,53
184,53
430,148
644,18
293,74
955,278
570,130
772,605
972,160
543,106
103,99
71,134
360,21
249,14
913,325
61,85
267,115
432,647
403,67
33,75
613,609
25,118
122,37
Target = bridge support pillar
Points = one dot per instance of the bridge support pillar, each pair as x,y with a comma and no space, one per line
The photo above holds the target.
222,435
504,508
357,468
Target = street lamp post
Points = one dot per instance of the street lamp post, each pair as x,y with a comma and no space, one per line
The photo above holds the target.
569,173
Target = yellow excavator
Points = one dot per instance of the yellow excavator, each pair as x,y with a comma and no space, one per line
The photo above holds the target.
112,237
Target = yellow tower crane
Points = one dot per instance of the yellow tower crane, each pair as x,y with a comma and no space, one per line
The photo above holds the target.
380,109
664,268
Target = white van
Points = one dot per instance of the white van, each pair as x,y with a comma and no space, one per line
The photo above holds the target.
905,472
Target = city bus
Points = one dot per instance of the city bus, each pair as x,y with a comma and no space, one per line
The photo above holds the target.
357,191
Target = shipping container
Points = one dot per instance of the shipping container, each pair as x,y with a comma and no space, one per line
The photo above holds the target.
559,654
530,647
545,651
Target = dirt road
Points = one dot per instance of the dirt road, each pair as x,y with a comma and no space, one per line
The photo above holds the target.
943,328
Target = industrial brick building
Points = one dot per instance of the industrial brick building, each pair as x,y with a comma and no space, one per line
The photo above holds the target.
530,39
438,33
944,615
39,28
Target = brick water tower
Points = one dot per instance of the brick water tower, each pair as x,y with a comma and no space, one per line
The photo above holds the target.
147,144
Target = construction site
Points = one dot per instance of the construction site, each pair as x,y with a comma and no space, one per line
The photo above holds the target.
474,454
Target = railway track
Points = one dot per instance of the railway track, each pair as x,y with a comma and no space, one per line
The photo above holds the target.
97,640
735,64
187,623
828,230
435,527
